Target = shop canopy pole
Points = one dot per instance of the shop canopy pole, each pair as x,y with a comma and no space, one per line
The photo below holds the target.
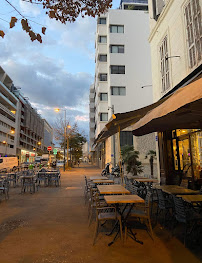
120,157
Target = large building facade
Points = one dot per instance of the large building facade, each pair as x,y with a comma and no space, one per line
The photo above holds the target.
122,68
23,133
8,116
176,49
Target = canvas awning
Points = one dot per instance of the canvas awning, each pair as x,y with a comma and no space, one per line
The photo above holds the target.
183,109
124,120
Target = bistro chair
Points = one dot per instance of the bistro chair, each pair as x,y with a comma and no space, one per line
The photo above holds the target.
141,213
54,177
4,189
29,183
12,178
42,177
86,189
186,215
105,213
164,205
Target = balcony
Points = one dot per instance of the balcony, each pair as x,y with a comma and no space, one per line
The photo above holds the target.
92,97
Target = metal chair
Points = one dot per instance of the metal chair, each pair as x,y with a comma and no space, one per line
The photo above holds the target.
4,188
42,177
12,178
186,215
164,204
29,184
105,213
54,177
142,213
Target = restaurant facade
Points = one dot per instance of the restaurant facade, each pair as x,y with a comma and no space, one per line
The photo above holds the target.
176,48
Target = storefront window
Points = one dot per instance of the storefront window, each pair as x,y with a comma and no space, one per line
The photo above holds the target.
196,146
187,152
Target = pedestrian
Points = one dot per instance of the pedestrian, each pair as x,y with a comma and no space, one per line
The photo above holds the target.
78,163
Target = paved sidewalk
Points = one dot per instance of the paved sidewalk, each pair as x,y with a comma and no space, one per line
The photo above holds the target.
51,226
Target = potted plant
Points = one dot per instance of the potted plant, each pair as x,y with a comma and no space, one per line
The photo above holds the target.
130,158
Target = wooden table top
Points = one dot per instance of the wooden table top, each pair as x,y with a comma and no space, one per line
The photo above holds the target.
112,189
98,177
147,180
99,181
176,190
192,198
123,199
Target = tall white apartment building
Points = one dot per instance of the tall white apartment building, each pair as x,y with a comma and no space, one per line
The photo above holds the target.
122,67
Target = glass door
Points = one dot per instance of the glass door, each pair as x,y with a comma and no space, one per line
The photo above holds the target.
185,157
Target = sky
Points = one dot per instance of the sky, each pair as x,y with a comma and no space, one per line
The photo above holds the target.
57,73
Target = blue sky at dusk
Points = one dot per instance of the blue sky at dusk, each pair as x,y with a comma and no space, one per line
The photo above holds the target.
56,73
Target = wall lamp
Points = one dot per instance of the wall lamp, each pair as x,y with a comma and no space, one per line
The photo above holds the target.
146,86
172,57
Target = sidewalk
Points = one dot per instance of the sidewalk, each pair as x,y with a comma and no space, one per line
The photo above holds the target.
52,226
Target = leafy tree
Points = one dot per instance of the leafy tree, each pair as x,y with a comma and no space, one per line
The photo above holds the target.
130,157
152,156
61,10
75,138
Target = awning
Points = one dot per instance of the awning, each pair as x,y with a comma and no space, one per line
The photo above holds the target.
124,120
183,109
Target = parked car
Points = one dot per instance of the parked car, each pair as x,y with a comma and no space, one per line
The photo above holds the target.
60,163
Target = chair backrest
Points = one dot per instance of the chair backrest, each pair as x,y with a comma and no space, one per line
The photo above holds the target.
179,207
161,199
134,190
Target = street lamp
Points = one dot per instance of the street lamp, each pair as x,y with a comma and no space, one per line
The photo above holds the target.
66,138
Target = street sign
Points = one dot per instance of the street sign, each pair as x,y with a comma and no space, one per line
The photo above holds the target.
49,148
55,151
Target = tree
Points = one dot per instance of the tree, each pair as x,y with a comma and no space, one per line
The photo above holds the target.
76,139
130,157
152,156
61,10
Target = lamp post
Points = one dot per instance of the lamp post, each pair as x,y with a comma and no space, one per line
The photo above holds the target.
66,135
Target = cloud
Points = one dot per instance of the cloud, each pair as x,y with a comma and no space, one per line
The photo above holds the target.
79,35
82,118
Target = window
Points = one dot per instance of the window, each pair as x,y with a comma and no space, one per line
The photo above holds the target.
103,77
194,32
126,138
103,116
165,75
116,29
116,49
103,58
118,91
102,21
102,39
103,96
117,69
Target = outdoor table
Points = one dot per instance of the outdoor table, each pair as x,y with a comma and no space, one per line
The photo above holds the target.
128,200
98,177
192,199
112,189
98,181
176,190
